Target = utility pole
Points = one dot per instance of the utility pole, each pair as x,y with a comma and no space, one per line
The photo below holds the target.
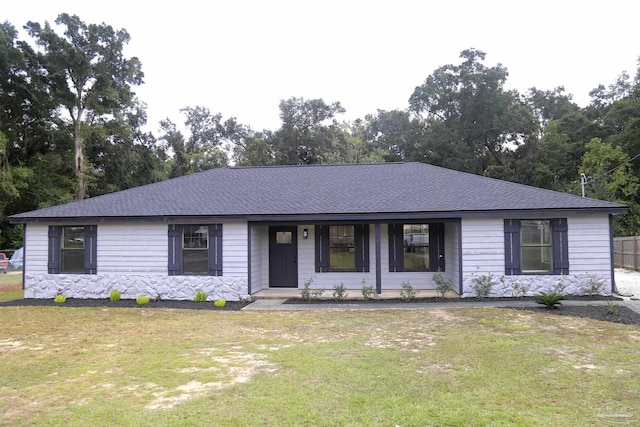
583,182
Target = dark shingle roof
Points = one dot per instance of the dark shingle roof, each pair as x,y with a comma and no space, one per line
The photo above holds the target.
322,189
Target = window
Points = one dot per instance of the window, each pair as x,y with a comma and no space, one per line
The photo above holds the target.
72,249
416,247
534,246
195,249
343,247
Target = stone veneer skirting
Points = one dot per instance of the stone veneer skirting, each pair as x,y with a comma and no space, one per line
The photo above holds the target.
88,286
506,286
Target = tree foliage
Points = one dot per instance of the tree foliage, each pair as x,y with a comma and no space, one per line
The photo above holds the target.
71,127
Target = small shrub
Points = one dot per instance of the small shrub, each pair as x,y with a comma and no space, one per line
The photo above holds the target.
442,285
219,303
200,296
114,295
593,286
59,299
550,299
612,308
407,292
339,292
482,285
142,300
518,290
305,292
367,291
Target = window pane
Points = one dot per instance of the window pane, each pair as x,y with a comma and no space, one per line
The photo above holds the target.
535,232
342,248
535,237
195,261
73,237
416,246
283,237
195,237
341,236
417,259
72,261
342,259
536,259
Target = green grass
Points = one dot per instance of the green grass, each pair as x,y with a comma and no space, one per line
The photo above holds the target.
429,367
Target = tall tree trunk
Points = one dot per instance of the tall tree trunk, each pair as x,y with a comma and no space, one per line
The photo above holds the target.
78,143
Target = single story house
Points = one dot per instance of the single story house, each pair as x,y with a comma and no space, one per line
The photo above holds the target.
232,232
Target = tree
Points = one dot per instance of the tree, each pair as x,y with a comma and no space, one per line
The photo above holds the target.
88,74
396,134
610,178
472,111
308,127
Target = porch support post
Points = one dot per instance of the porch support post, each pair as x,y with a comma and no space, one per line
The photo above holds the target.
249,243
378,260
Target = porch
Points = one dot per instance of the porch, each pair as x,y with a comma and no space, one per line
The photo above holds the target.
352,294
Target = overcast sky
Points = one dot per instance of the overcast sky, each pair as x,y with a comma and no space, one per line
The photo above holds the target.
240,58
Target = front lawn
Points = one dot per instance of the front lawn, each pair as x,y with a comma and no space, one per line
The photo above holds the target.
142,366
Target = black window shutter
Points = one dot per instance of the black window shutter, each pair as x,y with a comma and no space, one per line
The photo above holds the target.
90,249
560,245
396,248
53,265
322,248
436,247
215,250
362,247
175,250
511,247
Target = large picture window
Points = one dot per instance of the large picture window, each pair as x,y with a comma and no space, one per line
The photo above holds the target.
72,249
195,249
416,247
342,247
536,246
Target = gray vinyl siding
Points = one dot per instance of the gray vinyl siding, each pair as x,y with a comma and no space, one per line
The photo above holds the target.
589,245
235,260
482,246
36,255
132,248
259,258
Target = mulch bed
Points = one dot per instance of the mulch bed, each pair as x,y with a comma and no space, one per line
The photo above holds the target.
621,314
124,303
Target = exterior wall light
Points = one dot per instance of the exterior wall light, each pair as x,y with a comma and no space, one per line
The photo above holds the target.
305,234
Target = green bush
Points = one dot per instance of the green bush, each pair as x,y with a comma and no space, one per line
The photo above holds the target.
200,297
219,303
339,292
114,295
59,299
367,291
550,299
407,293
612,308
142,300
442,285
482,285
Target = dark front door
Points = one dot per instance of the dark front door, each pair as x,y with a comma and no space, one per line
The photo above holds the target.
283,257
